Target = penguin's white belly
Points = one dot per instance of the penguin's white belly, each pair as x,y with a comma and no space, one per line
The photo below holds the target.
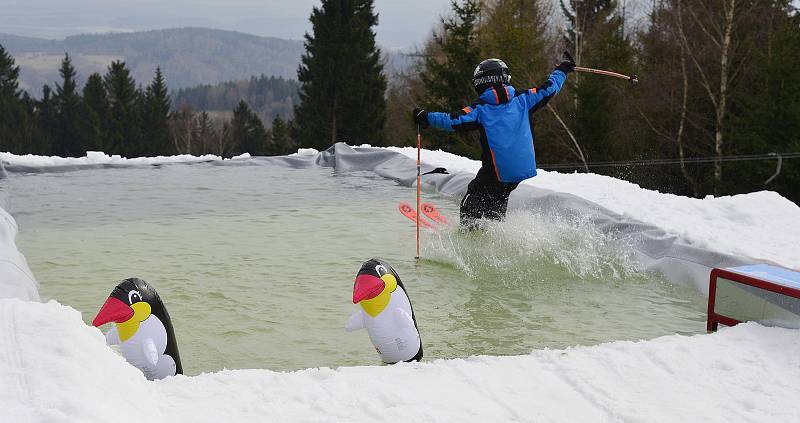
392,332
137,350
394,344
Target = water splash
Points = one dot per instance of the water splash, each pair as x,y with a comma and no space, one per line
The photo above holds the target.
526,244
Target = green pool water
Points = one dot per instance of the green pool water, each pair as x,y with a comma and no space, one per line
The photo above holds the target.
256,265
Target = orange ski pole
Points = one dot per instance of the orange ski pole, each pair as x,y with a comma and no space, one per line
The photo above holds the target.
419,147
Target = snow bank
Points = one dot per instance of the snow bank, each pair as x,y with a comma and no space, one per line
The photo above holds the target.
306,152
55,368
100,158
760,225
16,279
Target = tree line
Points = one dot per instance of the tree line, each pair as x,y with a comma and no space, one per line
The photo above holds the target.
268,96
719,88
114,114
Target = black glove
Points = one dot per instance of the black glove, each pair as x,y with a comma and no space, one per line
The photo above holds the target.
420,117
568,65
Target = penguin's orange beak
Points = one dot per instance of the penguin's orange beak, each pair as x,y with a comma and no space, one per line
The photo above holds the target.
367,287
113,310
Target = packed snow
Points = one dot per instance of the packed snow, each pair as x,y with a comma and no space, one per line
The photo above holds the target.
16,279
760,225
55,368
98,157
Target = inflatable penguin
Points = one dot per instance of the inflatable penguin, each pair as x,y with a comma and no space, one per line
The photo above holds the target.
386,313
143,329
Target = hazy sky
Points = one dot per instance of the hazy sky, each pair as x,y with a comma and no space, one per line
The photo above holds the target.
402,22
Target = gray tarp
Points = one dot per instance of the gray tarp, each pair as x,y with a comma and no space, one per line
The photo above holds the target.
652,247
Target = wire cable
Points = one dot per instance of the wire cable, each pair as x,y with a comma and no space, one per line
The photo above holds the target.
660,162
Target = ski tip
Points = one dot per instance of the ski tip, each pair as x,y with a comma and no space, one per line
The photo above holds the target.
432,212
411,214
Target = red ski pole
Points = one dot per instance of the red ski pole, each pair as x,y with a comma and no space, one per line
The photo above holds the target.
419,148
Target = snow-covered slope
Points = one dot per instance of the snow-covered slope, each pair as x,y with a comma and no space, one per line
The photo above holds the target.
55,368
761,225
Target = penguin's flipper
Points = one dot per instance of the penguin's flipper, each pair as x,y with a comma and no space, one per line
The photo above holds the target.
355,322
112,336
150,351
403,318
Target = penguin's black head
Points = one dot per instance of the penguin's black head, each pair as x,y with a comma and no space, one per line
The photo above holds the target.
374,285
377,267
133,290
131,299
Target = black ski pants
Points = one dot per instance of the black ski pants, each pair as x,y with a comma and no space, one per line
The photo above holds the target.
486,198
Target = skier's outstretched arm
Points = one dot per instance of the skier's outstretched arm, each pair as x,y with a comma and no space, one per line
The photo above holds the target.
535,98
465,119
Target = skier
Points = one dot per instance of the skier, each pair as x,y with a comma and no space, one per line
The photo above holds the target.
504,116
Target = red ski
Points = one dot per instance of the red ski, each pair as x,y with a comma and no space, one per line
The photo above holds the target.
429,210
410,213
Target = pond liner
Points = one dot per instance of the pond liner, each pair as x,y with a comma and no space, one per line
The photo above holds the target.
654,249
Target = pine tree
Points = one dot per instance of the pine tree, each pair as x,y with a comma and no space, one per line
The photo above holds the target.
124,99
70,116
98,113
14,118
516,32
280,142
46,120
446,74
341,76
248,131
157,106
206,133
9,75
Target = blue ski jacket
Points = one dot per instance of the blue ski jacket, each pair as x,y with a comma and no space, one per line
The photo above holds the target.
505,118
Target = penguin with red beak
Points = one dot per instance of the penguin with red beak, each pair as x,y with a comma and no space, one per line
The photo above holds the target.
143,329
385,311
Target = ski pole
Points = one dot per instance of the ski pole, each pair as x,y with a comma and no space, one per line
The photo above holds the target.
419,147
634,79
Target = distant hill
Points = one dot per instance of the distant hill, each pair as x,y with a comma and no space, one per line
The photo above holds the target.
188,56
267,96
